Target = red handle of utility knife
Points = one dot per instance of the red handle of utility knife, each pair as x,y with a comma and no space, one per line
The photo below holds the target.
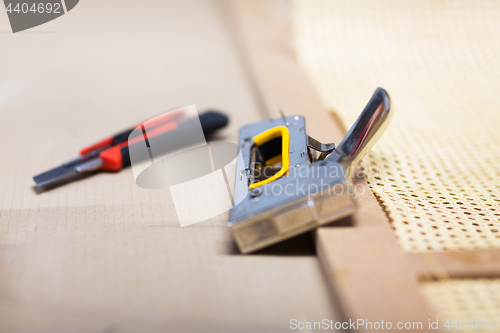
123,136
114,157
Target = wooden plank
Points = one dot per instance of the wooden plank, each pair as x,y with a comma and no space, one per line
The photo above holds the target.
375,282
458,264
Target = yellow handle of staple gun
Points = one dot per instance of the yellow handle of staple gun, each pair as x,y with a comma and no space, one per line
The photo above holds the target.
285,151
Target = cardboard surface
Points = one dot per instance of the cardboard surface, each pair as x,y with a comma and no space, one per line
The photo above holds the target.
101,254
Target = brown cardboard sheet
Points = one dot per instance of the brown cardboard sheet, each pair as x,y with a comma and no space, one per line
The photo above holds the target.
101,254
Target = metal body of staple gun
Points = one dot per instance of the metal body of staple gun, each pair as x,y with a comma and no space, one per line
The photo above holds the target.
287,183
